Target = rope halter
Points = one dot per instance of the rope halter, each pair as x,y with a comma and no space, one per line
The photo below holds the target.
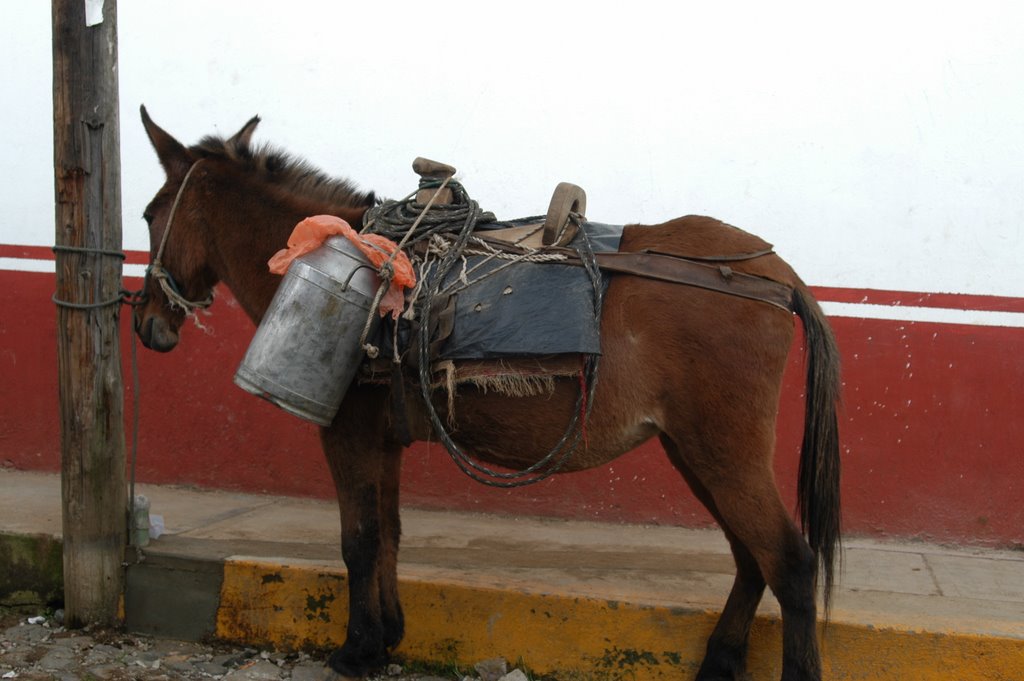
156,269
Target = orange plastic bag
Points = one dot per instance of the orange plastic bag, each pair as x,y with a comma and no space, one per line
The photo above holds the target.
309,234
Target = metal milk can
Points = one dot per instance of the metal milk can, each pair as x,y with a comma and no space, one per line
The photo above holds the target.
306,350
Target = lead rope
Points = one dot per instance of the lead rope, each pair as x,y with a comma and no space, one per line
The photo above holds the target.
134,299
132,539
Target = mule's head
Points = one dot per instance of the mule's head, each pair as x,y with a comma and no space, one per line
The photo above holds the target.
179,248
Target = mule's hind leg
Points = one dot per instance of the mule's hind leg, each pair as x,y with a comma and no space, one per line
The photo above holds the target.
741,487
726,655
788,566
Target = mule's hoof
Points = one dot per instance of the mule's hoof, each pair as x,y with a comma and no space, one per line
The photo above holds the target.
345,667
738,676
331,675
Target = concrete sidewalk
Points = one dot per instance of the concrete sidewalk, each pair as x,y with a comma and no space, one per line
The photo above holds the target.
578,599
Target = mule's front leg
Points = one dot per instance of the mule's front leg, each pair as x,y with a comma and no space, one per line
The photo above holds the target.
392,617
364,648
365,467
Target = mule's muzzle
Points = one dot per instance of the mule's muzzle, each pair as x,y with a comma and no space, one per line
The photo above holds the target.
155,333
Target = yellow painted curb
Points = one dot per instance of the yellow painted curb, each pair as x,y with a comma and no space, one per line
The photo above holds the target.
304,605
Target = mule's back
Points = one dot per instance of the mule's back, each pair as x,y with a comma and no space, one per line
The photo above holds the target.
702,237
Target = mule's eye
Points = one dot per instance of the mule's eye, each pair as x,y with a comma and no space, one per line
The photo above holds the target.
148,217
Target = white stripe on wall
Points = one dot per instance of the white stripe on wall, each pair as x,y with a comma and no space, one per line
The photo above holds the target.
26,265
938,315
43,265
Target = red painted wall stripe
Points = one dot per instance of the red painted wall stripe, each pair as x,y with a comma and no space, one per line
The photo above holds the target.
954,301
46,253
931,428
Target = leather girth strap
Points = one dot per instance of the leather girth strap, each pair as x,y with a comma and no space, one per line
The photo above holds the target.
678,270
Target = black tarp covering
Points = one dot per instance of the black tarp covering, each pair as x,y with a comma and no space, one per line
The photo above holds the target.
527,309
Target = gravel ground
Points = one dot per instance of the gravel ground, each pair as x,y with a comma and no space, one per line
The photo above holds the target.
39,649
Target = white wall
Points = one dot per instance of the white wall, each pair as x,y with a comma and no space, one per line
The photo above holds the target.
878,145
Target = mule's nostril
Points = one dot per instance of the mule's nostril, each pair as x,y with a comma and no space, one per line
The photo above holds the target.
145,331
159,335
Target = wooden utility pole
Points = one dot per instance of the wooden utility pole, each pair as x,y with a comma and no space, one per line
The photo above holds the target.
86,150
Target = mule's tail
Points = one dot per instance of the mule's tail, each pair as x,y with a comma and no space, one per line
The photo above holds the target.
818,486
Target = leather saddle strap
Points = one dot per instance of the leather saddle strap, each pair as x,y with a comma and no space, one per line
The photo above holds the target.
678,270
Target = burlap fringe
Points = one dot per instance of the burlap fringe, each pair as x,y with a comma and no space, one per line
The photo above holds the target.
512,385
509,378
509,384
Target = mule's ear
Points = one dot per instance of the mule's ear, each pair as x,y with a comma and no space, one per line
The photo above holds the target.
173,155
241,139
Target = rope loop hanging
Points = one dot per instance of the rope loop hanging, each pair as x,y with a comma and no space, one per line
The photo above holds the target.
445,232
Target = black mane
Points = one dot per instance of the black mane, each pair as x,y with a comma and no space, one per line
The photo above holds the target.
285,171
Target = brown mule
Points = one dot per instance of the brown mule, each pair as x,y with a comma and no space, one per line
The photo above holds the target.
698,369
